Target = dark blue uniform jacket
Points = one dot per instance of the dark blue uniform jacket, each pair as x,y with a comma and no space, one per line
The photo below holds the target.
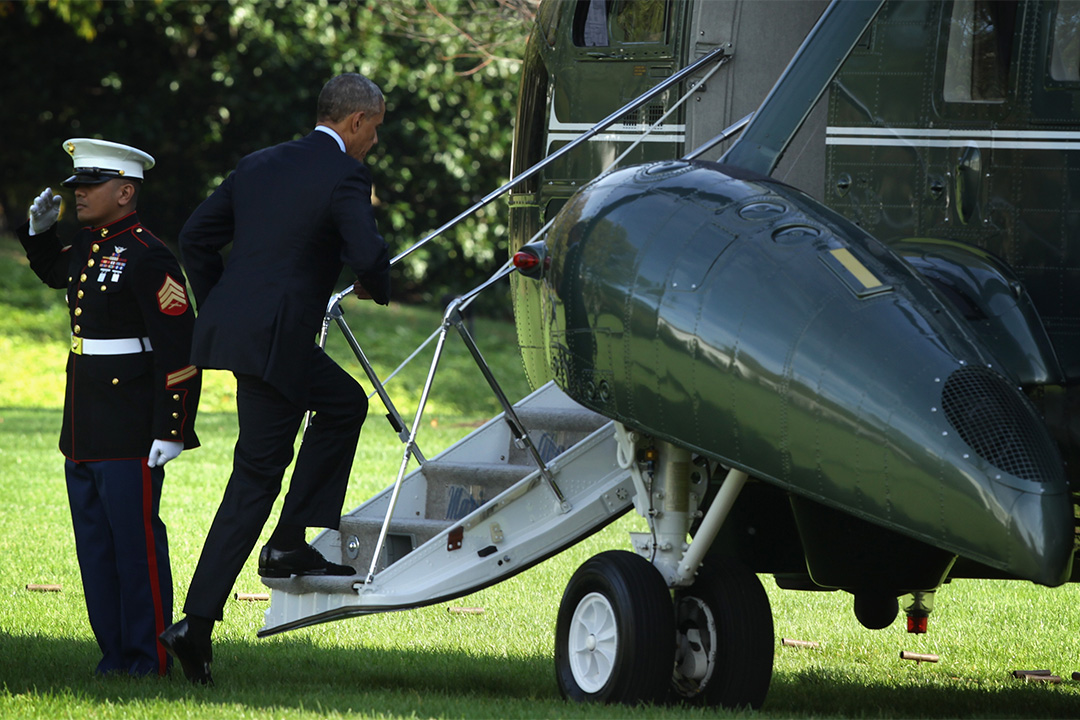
122,282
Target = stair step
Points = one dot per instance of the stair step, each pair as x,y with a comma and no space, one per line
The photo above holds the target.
456,489
577,419
359,536
488,474
301,585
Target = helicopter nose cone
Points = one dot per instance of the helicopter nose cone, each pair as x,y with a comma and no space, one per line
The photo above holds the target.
1041,530
1019,471
743,320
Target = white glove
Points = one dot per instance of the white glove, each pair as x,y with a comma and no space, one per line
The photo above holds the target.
162,451
44,211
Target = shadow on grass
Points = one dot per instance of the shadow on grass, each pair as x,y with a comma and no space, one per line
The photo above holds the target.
297,675
829,693
292,673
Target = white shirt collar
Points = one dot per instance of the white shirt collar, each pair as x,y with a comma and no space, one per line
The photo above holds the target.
330,131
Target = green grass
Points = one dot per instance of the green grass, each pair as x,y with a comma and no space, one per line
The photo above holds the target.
430,662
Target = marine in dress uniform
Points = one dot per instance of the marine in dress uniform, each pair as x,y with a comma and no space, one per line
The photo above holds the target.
293,215
131,396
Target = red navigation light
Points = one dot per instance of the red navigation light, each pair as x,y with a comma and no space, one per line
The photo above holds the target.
525,261
916,624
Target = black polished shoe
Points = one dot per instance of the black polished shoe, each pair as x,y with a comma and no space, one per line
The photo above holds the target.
193,653
306,560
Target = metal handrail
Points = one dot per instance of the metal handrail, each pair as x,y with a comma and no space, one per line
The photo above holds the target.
716,55
725,134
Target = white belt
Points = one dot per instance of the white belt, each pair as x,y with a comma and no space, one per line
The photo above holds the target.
119,346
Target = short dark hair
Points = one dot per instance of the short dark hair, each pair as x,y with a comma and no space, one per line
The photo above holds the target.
345,94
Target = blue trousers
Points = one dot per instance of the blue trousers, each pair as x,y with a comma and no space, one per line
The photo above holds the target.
123,555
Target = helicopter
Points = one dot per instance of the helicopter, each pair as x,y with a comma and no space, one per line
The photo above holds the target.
863,302
799,294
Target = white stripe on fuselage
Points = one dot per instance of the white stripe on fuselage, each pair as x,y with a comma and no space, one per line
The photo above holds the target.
933,138
559,131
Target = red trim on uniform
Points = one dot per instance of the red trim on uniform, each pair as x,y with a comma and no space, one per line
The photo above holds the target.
70,390
151,561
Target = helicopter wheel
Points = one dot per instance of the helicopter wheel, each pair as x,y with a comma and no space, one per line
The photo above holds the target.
724,637
614,633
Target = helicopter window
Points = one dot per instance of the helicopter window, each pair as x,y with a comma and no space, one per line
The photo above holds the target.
640,21
602,23
547,18
1065,44
979,51
591,26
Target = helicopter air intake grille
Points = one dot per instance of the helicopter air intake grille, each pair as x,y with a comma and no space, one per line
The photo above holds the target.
1000,425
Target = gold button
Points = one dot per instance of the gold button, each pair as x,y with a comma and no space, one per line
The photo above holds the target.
79,294
173,433
77,329
138,229
82,277
69,278
176,397
78,312
116,381
175,415
90,262
103,288
104,232
95,247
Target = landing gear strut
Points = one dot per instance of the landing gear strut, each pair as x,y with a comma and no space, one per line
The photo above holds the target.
619,636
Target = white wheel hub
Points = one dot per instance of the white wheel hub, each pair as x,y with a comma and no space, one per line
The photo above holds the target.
593,642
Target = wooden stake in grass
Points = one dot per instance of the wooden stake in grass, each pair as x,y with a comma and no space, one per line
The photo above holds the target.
465,610
788,642
1021,674
919,658
252,597
33,587
1052,679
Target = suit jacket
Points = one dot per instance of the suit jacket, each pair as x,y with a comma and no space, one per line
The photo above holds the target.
295,214
122,282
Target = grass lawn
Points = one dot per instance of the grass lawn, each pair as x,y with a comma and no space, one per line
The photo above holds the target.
431,662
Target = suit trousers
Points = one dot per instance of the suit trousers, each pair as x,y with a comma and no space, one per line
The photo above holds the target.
124,560
268,426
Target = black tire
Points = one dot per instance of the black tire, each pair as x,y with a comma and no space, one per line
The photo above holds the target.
615,633
724,638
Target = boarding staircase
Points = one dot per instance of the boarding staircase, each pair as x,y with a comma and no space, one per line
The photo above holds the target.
469,517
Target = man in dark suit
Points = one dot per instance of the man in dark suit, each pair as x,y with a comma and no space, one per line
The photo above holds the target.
131,395
294,214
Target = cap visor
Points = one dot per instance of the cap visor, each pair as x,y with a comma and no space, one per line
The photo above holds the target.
85,179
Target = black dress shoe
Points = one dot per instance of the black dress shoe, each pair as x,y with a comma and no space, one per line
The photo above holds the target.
306,560
193,653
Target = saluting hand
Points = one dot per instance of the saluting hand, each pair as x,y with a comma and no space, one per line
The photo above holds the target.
44,211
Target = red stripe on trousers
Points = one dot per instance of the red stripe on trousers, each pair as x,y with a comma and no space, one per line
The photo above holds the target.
151,558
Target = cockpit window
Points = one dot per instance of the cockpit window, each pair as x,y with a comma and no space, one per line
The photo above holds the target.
1065,42
603,23
979,51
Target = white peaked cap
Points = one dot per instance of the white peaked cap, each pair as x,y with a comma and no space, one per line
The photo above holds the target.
99,160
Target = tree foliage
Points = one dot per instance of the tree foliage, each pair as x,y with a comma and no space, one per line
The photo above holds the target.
201,83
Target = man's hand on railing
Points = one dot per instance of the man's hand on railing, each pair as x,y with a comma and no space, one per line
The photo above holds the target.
360,292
